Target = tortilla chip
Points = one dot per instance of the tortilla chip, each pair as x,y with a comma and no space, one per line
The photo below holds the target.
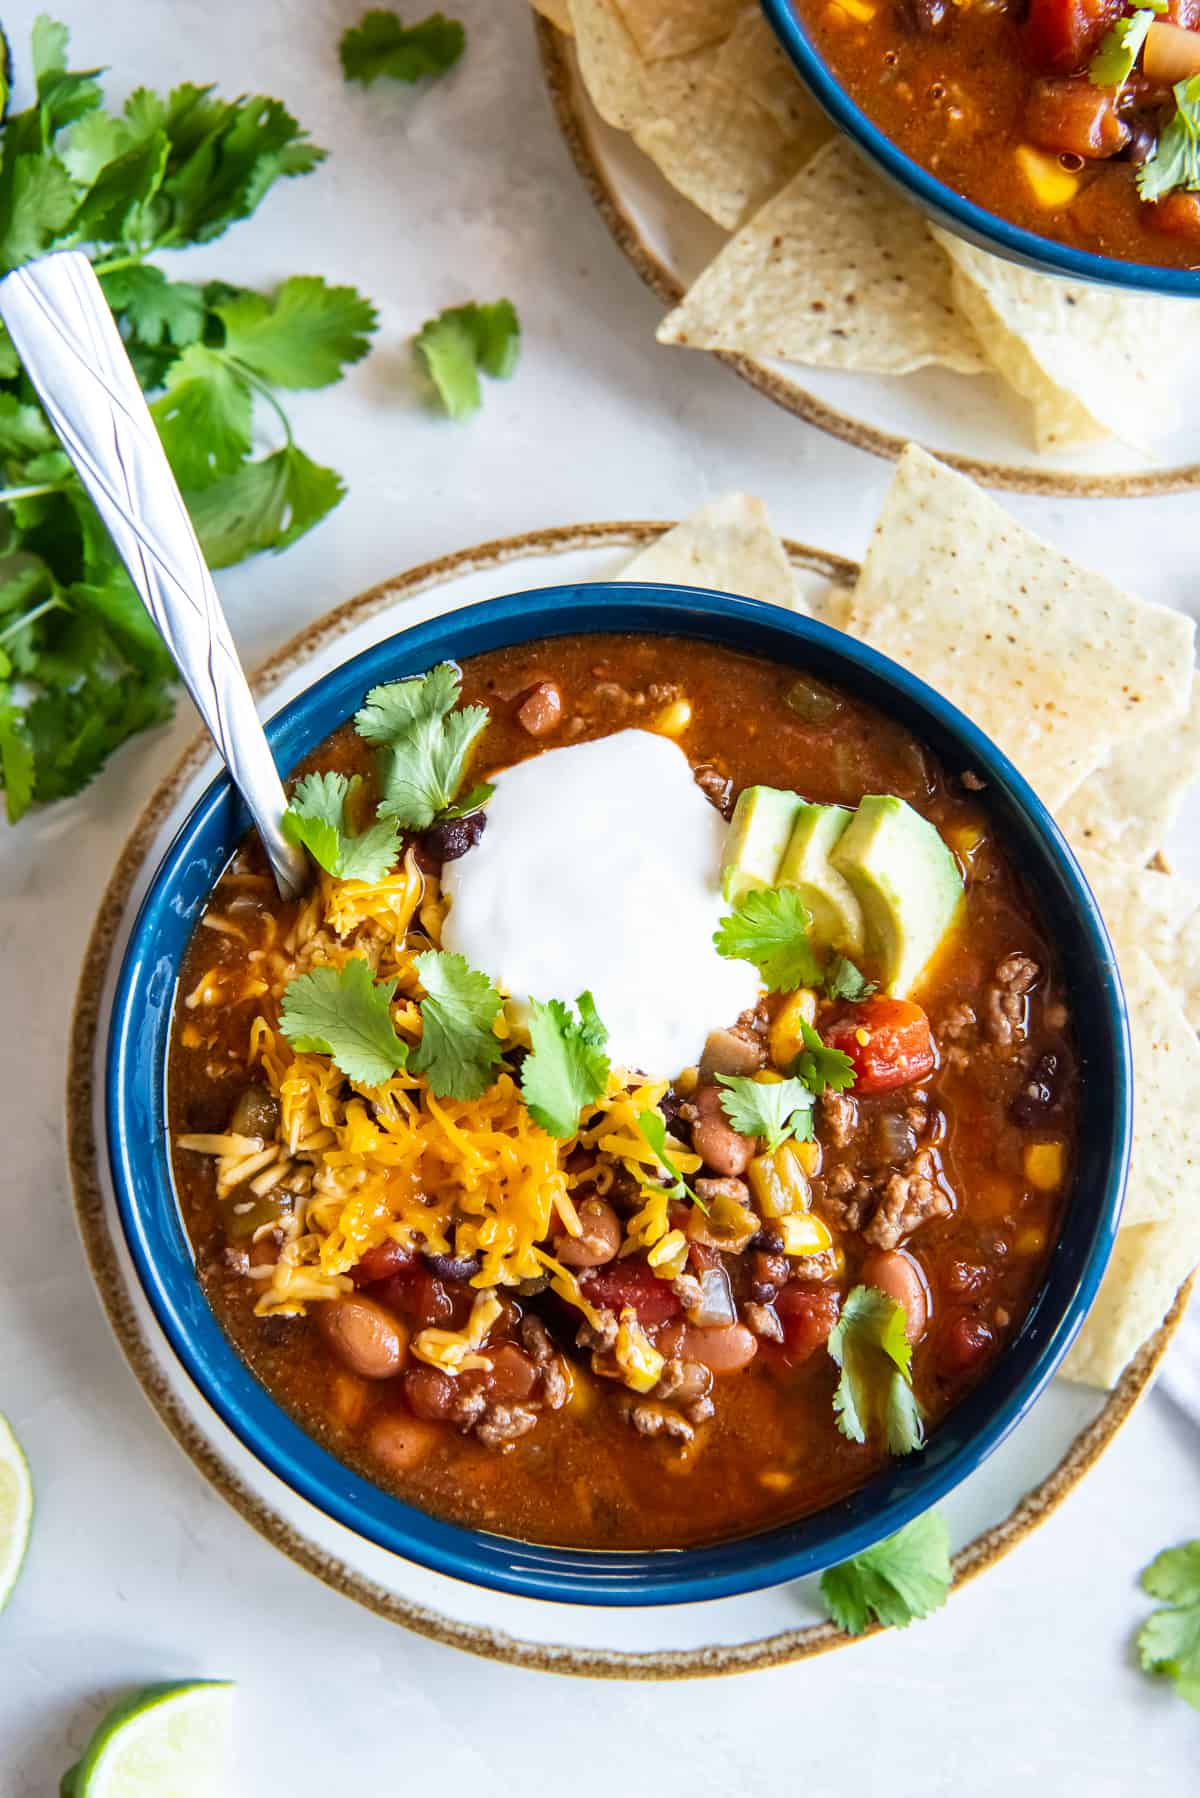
1127,808
1092,362
1149,1264
713,142
1156,913
832,606
751,59
1057,664
727,544
835,271
557,11
659,29
1164,1171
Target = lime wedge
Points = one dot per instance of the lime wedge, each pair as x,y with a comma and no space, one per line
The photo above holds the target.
16,1510
165,1742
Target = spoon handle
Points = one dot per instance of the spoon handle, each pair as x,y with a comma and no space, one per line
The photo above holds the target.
67,339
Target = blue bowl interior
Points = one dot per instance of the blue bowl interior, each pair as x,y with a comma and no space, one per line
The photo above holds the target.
963,216
138,1142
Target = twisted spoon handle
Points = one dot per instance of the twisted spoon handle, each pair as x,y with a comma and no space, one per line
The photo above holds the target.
60,322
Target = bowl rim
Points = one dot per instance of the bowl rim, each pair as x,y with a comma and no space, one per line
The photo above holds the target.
147,1205
964,217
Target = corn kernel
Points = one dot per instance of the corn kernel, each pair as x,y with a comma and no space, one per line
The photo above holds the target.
669,1256
1044,1165
1052,184
804,1234
673,720
966,840
775,1479
785,1039
581,1394
859,10
808,1154
687,1082
779,1183
1030,1241
639,1360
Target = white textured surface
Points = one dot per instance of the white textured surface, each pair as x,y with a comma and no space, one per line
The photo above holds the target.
137,1572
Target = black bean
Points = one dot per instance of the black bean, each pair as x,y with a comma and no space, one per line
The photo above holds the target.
669,1105
1039,1096
446,841
453,1267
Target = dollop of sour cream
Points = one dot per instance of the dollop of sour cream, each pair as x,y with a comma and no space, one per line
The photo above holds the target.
599,871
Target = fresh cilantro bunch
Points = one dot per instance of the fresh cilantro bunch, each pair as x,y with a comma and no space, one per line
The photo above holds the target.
81,668
904,1577
874,1395
381,44
1169,1640
424,743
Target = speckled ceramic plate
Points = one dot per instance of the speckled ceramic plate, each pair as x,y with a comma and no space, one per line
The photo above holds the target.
976,423
1014,1490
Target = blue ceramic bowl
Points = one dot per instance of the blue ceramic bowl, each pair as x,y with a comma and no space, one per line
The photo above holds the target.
137,1133
943,203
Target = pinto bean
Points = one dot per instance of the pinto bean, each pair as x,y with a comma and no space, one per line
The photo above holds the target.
542,711
600,1240
430,1393
900,1277
714,1138
365,1336
401,1442
724,1350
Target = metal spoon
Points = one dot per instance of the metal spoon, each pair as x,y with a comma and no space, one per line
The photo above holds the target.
66,337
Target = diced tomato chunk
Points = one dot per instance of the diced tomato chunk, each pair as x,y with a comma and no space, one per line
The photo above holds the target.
632,1283
808,1310
1061,36
888,1040
1178,215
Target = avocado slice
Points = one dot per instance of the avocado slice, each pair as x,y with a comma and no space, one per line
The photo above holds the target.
907,883
758,835
837,916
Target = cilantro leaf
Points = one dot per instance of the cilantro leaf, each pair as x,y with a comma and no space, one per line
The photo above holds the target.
1169,1641
224,157
262,505
459,1051
204,418
772,1109
568,1068
875,1395
844,981
459,342
380,45
316,818
303,336
904,1577
1120,47
16,763
157,311
652,1128
770,928
1174,161
347,1014
820,1067
424,744
34,211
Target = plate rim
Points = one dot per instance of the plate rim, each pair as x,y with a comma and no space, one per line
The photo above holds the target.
84,1161
555,54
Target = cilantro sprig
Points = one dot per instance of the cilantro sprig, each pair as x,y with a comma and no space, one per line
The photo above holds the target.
1174,161
904,1577
380,44
1122,44
652,1128
773,1109
874,1395
1169,1640
819,1067
459,1050
424,746
462,340
317,819
80,667
347,1014
770,927
568,1068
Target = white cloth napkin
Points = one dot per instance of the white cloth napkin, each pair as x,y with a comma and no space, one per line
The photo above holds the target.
1180,1375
